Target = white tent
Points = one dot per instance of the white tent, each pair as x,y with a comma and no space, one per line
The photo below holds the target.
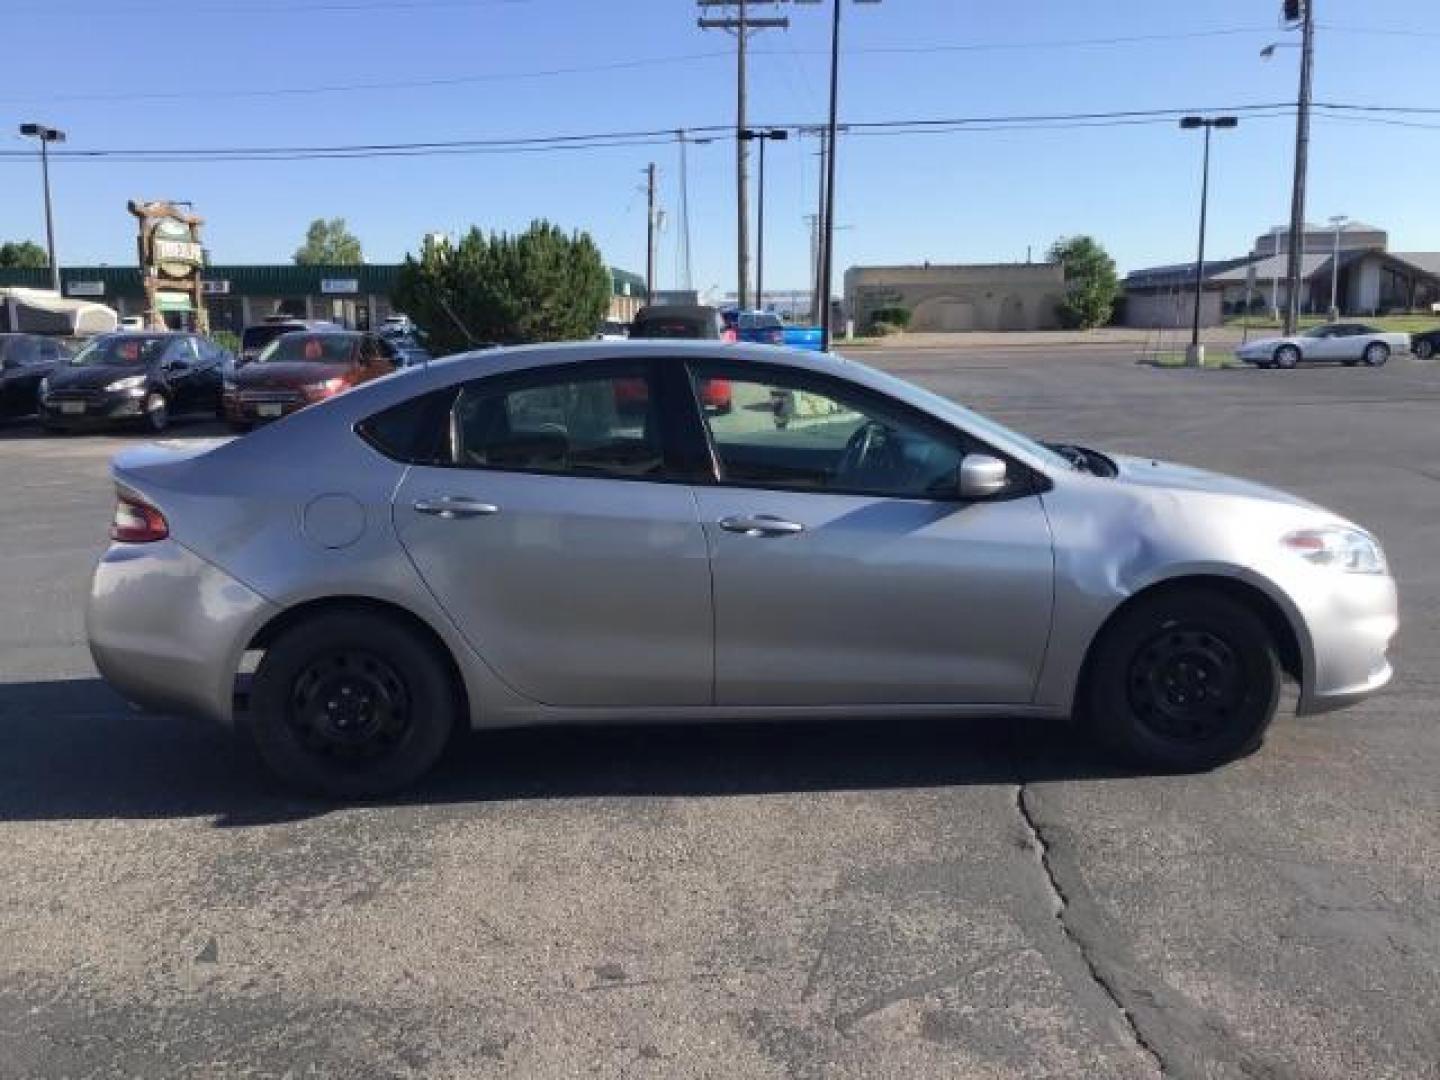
41,311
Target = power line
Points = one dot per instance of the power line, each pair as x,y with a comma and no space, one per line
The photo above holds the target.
288,8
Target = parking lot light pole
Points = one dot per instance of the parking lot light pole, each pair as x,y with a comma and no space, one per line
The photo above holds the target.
762,136
45,136
1338,221
1195,354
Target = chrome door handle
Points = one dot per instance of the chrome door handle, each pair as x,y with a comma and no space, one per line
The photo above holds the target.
450,507
761,525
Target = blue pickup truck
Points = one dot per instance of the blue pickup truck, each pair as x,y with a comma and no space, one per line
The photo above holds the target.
767,328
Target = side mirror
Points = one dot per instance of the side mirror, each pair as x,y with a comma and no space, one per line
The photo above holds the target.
981,476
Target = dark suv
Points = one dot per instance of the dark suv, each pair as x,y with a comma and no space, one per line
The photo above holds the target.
139,377
25,359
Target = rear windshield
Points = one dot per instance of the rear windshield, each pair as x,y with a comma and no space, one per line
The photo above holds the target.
662,327
255,338
131,349
760,320
309,348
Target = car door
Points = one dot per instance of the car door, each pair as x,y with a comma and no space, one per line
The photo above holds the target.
557,532
179,369
847,570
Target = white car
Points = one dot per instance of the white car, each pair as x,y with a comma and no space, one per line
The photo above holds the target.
1344,343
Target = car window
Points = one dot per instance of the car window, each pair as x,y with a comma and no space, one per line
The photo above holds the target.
137,350
588,425
297,348
19,352
182,351
792,431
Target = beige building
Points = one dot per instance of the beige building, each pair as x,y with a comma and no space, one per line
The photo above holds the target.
1000,296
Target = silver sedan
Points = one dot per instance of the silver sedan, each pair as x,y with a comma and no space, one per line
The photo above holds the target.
1335,343
671,531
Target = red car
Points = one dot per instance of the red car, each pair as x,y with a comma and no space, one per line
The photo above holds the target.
299,369
679,322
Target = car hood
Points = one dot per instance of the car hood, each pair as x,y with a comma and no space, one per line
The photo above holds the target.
1265,343
1144,472
288,376
89,378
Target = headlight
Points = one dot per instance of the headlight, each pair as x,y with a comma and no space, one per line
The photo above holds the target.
132,382
1338,548
324,389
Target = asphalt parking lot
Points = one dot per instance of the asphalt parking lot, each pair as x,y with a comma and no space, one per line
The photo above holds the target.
940,899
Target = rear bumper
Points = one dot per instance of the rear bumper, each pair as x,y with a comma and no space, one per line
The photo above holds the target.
167,629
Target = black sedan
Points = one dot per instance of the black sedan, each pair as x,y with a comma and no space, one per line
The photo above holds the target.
1425,345
25,359
144,378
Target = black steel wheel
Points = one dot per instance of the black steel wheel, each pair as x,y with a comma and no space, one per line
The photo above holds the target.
157,412
351,704
1287,356
1424,348
1186,680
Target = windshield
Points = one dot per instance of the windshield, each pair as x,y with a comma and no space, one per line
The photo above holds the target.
255,338
759,320
135,350
309,349
1316,331
973,422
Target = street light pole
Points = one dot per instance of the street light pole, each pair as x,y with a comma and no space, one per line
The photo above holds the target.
1305,9
1338,221
762,137
1195,355
45,136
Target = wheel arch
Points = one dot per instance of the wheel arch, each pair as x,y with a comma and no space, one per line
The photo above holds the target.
1284,625
293,616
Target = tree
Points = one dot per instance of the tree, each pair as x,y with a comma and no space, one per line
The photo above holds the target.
329,243
1091,284
23,253
542,285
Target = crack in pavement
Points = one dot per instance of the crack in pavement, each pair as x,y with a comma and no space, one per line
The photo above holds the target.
1061,908
1181,1036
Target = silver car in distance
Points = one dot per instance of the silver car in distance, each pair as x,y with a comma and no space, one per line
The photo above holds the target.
677,531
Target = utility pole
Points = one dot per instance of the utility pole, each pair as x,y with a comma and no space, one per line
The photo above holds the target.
743,25
45,136
1304,12
650,234
762,136
686,278
813,221
1339,222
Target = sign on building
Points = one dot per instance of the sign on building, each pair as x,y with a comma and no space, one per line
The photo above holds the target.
216,288
340,286
85,288
171,262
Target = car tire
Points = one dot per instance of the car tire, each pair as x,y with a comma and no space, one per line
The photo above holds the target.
1287,356
1183,682
351,705
1424,350
1376,354
157,412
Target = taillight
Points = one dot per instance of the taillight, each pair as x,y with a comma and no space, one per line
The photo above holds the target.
137,522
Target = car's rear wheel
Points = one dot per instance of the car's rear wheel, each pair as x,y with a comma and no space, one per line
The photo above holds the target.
351,705
157,412
1376,353
1184,681
1287,356
1424,349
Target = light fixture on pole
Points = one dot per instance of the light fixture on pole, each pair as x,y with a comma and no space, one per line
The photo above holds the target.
762,136
827,241
1338,221
1195,354
45,136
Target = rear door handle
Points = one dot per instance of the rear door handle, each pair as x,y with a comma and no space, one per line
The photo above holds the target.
451,507
761,525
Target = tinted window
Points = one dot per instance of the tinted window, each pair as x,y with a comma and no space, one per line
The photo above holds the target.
138,350
415,431
20,352
794,432
760,320
183,351
309,348
255,338
600,425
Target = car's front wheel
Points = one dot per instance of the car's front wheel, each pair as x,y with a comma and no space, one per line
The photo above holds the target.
351,705
1287,356
1376,353
1424,349
157,412
1184,681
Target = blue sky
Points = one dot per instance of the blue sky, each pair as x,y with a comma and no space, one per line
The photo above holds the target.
953,197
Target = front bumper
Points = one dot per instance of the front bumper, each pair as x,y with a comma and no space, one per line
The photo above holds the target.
107,407
167,629
1351,625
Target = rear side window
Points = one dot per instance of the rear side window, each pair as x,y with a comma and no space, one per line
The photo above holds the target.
580,424
415,431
